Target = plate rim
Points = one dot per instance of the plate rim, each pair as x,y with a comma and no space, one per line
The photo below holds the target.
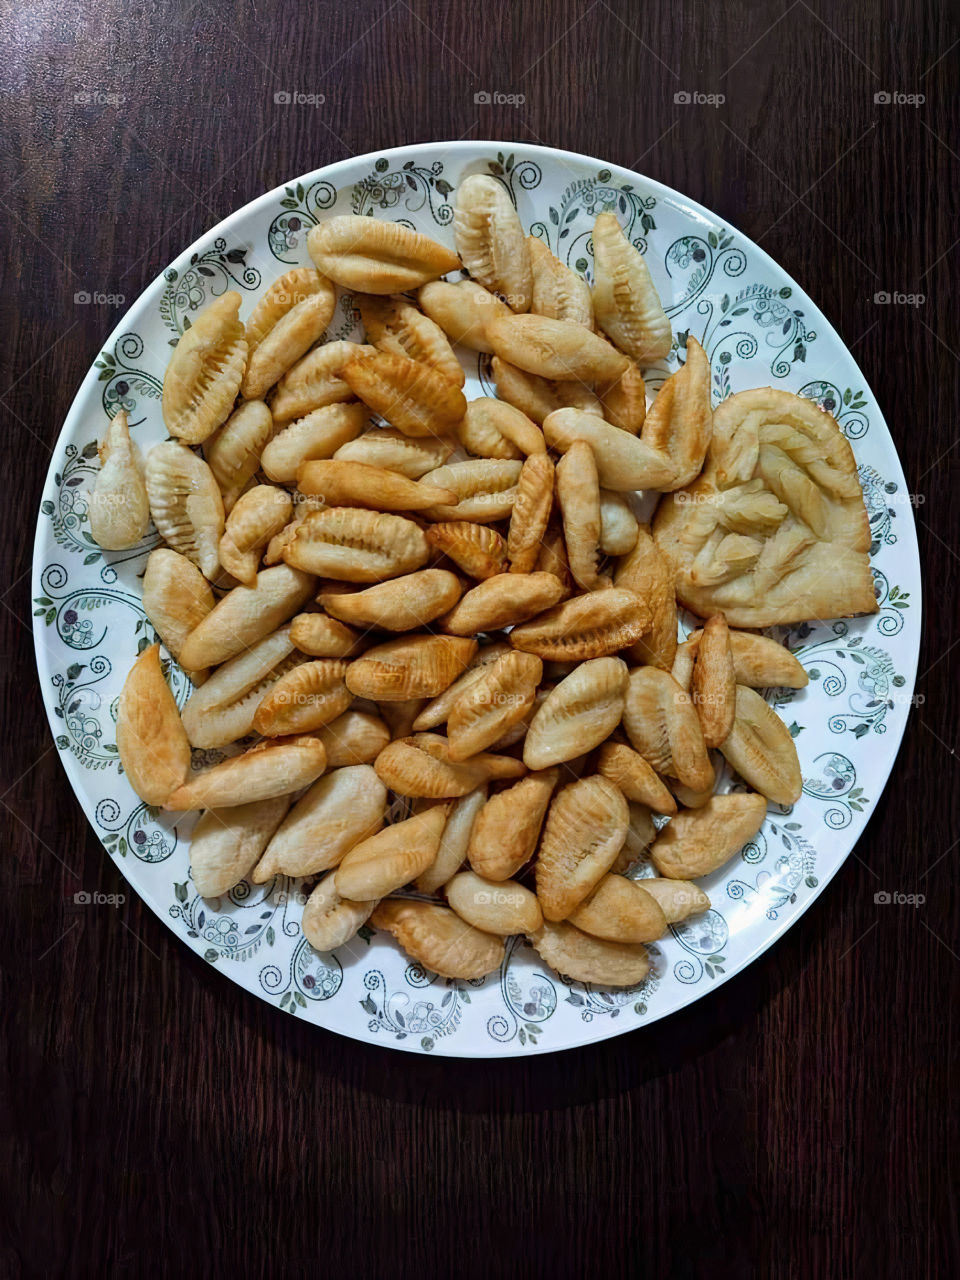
601,1031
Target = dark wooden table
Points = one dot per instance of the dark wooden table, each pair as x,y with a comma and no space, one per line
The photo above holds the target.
800,1120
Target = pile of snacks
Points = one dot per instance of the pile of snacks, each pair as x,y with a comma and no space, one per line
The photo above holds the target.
444,642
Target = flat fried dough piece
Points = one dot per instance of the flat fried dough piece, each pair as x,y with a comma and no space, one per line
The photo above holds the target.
556,349
413,397
203,377
647,573
352,544
638,780
531,513
775,529
461,816
494,703
151,739
285,324
588,626
503,908
310,696
226,843
475,548
318,434
185,504
394,324
625,300
621,910
437,710
245,615
176,597
758,661
494,429
490,239
356,737
438,939
462,310
761,749
578,492
323,637
223,709
678,898
421,767
579,956
118,510
698,841
392,450
273,769
484,487
579,714
329,920
679,423
400,604
357,484
315,381
257,516
371,255
584,831
618,524
625,401
663,727
390,859
502,601
558,292
411,666
713,686
507,828
233,452
624,462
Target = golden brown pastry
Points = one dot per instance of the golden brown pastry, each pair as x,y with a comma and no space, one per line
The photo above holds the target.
775,529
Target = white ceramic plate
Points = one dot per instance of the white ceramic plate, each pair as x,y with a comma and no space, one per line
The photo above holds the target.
758,328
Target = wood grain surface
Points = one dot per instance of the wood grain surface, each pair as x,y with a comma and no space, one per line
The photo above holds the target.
800,1121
